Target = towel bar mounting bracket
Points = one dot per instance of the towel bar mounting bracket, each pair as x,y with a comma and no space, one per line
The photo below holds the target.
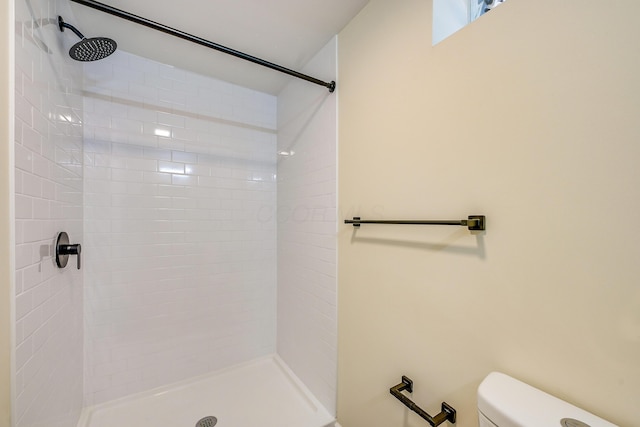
476,222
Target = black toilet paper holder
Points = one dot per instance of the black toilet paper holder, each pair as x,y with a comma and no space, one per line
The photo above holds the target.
447,412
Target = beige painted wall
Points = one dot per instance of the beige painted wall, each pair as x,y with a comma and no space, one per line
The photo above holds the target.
530,116
6,49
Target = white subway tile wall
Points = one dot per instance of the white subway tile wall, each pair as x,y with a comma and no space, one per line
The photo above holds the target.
180,225
48,199
179,205
307,279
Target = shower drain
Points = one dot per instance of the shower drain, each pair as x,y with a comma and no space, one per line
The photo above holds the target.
207,422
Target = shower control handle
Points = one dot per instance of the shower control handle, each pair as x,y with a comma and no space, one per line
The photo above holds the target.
64,249
72,250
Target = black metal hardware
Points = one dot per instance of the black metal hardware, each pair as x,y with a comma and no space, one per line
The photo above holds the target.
474,222
92,49
64,249
62,25
198,40
447,412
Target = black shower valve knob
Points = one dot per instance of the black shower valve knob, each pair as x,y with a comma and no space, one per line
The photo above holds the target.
72,250
64,249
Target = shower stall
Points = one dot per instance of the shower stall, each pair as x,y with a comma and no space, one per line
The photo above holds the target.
206,213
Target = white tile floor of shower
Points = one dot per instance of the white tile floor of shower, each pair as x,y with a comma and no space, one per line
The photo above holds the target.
263,392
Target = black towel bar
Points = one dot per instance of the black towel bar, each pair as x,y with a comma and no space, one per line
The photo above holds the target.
473,222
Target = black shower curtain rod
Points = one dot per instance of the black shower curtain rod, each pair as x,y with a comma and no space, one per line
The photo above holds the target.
198,40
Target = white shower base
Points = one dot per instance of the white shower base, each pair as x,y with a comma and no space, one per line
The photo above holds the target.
263,392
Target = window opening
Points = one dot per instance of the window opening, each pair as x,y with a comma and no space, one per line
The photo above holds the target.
450,16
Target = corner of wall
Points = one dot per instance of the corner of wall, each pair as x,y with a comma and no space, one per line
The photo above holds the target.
6,276
307,287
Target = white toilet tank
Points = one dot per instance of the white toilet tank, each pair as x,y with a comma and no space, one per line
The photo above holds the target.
506,402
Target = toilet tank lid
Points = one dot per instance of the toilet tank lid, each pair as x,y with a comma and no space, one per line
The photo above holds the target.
508,402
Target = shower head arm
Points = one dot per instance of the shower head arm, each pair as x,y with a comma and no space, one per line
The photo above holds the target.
62,25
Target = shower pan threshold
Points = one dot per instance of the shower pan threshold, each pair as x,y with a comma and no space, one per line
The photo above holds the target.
263,392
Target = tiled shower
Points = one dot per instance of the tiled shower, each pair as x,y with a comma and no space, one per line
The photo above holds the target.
180,227
207,217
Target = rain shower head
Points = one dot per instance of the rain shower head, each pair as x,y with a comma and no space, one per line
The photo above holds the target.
92,49
86,49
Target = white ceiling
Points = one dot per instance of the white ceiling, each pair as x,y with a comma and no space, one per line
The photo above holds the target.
285,32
